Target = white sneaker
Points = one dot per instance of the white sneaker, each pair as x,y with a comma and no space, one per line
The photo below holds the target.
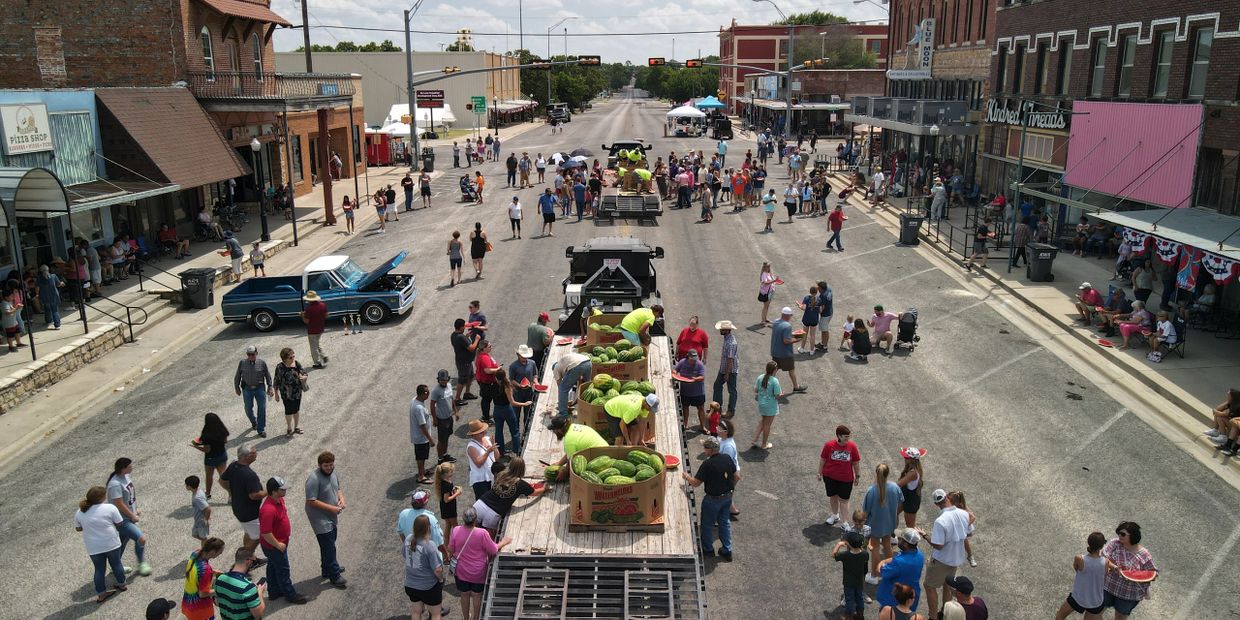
871,579
1219,440
833,519
972,562
1213,432
868,600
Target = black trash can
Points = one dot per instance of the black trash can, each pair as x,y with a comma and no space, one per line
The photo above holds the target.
1041,257
198,288
428,159
910,225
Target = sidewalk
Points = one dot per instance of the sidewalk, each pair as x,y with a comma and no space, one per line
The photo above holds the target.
1195,384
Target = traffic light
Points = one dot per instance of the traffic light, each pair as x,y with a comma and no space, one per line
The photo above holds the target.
820,63
539,63
589,61
656,62
694,63
451,69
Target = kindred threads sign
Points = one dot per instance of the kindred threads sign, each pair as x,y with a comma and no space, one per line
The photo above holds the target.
1027,113
26,128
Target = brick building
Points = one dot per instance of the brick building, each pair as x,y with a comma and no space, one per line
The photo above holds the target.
766,47
221,50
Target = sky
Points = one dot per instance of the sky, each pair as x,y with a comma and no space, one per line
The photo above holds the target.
496,24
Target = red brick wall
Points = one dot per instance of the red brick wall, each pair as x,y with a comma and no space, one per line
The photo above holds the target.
306,125
845,83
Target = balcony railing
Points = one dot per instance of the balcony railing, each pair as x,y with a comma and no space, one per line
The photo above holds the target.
269,86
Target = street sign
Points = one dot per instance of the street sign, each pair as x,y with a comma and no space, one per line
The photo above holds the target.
480,104
430,99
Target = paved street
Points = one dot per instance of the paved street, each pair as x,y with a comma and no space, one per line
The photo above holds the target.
1044,454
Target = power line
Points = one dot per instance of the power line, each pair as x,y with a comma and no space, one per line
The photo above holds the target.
504,34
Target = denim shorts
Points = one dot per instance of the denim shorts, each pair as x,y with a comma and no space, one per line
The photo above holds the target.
1121,605
215,461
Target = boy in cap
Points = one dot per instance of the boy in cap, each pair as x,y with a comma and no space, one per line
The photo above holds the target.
856,562
159,609
974,606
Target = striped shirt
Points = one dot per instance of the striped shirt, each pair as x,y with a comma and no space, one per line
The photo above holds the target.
235,596
729,353
1114,583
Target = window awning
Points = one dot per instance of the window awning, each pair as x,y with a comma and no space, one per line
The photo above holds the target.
104,193
779,104
1197,228
246,10
912,129
34,192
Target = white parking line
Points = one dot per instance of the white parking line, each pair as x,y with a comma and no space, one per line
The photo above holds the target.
1098,433
766,494
982,377
1223,553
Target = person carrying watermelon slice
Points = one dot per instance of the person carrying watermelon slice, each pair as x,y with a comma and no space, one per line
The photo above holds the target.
1120,590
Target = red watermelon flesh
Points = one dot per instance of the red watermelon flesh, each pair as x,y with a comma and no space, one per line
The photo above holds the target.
1139,576
671,462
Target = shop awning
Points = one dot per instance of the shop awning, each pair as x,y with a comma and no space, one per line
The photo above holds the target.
779,104
246,10
31,192
174,133
1197,228
515,105
910,128
104,193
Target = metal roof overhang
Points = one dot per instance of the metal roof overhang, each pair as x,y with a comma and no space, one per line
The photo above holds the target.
1201,229
910,128
262,104
31,192
104,193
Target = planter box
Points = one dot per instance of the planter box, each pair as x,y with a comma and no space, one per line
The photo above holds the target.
595,337
639,505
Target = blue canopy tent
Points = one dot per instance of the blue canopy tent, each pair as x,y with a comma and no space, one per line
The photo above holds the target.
709,103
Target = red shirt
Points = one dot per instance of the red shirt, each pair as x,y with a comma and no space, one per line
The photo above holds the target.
316,317
836,220
273,519
839,459
168,235
481,364
692,340
1091,297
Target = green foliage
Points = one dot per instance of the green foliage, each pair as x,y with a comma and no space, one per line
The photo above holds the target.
458,46
813,18
843,51
349,46
679,83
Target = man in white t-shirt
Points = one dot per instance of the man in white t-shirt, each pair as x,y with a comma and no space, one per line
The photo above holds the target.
877,183
947,538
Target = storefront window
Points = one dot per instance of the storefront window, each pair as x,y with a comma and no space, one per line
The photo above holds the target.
1201,63
1018,74
1065,65
87,225
1162,67
1040,83
296,163
357,144
1098,71
1001,65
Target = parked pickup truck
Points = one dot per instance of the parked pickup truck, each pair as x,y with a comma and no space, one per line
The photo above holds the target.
344,287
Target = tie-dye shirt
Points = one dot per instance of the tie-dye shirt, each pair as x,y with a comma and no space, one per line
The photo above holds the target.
198,578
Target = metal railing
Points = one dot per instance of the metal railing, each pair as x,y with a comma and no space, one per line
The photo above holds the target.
274,86
128,320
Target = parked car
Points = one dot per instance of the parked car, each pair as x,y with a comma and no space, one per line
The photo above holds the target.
344,286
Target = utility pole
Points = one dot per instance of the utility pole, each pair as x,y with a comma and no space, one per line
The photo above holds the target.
413,118
323,152
792,38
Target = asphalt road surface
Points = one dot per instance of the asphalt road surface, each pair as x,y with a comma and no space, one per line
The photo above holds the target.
1043,453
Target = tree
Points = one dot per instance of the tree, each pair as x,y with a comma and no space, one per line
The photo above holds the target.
349,46
841,48
458,46
813,18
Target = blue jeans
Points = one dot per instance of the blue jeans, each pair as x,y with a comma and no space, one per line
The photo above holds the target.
835,238
716,513
504,415
279,575
580,373
512,177
102,561
327,555
251,396
51,313
717,395
408,200
854,600
129,531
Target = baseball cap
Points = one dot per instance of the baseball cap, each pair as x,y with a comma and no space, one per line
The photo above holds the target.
544,316
419,498
279,482
938,495
961,584
710,442
443,375
158,609
1085,285
250,350
785,310
854,539
910,536
692,353
653,401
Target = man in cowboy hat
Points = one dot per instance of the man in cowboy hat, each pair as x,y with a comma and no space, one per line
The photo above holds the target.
728,367
574,438
523,373
315,317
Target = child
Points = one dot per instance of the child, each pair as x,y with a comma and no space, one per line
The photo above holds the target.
448,493
857,525
1087,593
957,498
256,261
202,510
713,412
856,561
727,445
846,341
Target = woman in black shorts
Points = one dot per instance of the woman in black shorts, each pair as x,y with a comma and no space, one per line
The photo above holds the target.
477,248
838,467
423,570
910,484
212,443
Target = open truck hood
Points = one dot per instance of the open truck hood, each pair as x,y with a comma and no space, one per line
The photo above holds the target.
378,272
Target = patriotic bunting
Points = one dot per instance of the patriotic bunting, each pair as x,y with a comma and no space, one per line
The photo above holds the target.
1221,268
1167,251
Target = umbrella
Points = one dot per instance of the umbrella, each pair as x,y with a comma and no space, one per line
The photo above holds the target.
556,157
580,158
583,153
573,163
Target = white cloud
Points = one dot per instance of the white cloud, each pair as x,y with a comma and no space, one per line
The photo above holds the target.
496,24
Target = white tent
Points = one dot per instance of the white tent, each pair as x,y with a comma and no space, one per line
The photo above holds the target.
443,116
686,111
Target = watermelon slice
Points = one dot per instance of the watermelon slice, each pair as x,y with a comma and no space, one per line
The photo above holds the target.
525,382
798,334
538,387
779,281
538,486
681,378
1099,309
472,324
1139,576
1146,332
671,462
563,341
1103,342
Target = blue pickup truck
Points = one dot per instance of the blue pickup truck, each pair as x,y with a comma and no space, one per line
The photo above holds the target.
344,287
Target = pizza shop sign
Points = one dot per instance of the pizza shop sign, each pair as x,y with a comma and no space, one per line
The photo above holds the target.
26,128
1027,113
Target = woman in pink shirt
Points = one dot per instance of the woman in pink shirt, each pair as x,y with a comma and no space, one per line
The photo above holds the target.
766,286
472,549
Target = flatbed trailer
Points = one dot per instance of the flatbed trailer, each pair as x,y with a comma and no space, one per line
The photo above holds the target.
551,572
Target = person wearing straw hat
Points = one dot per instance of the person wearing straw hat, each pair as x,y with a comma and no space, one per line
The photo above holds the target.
910,483
314,315
481,452
729,367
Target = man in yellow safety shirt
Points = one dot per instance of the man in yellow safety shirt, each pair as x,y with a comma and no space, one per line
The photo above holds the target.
628,415
636,325
574,438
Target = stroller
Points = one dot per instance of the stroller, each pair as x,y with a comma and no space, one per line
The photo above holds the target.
906,334
468,192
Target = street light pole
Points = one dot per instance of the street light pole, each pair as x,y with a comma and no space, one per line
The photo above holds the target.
257,148
792,34
553,27
413,100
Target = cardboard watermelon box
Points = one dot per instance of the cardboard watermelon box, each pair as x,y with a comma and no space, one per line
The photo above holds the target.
596,417
594,336
624,371
635,506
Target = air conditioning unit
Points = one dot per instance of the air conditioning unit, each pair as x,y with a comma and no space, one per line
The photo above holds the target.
835,98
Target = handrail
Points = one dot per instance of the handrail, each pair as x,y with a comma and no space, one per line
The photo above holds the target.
147,263
129,322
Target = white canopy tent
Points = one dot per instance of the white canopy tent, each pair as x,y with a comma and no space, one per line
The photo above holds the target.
686,111
443,117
